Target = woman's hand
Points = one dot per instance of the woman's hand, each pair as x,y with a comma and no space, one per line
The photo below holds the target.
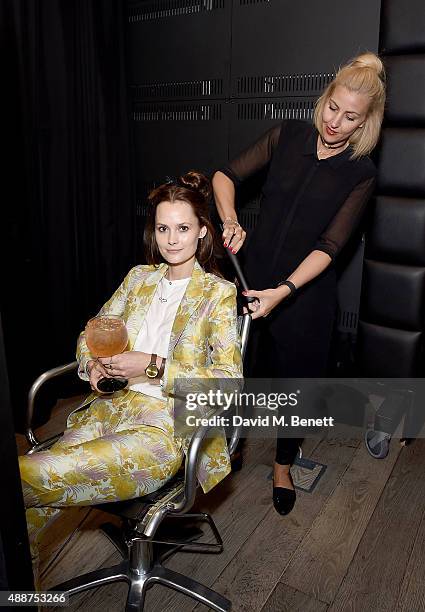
130,364
233,235
224,195
266,300
96,371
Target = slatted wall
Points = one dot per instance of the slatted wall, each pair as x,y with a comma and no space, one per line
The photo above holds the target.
207,77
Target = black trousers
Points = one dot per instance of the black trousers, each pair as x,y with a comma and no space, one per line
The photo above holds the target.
294,342
259,364
287,450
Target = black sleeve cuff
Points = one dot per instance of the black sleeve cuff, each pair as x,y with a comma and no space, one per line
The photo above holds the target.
327,248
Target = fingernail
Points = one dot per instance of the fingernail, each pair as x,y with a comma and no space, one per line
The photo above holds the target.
225,244
233,251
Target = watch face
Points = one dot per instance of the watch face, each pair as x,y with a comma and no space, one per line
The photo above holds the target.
151,371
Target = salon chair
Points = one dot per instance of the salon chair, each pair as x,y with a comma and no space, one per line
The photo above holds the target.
142,545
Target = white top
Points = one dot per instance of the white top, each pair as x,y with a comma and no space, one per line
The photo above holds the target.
154,334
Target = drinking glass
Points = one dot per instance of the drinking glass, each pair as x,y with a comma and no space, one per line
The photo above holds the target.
106,335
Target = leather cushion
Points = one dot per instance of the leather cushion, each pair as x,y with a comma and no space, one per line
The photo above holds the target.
397,231
393,295
402,162
406,89
402,26
387,352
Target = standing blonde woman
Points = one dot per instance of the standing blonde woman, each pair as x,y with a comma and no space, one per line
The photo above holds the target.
318,183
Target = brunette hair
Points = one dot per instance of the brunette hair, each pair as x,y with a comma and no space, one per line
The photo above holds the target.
364,74
195,189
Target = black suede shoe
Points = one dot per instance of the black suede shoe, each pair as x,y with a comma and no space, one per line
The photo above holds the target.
284,499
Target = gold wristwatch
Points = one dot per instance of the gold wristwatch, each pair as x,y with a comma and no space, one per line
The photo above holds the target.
152,370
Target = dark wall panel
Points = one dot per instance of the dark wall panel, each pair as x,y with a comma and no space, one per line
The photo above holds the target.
210,76
266,60
278,53
173,137
251,117
180,49
283,37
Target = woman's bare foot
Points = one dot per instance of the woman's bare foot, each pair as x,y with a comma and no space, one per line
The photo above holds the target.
282,477
284,495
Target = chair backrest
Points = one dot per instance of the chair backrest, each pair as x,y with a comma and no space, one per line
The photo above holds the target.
244,324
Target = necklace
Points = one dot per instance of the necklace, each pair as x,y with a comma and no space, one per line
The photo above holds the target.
161,297
335,146
326,152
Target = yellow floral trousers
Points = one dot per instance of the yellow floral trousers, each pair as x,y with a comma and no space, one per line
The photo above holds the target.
113,449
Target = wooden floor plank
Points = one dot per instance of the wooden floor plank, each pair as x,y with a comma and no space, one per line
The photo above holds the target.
412,591
255,570
321,562
286,599
223,503
86,550
230,503
260,545
236,518
57,536
375,577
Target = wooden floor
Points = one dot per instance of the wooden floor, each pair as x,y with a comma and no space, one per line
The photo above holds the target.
357,543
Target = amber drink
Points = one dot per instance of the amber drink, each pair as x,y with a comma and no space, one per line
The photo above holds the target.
106,335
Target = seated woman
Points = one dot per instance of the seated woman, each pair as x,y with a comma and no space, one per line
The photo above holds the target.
178,309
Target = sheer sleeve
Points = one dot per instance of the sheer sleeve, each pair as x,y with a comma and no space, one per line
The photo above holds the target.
346,220
254,157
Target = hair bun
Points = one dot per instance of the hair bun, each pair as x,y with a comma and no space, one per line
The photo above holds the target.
198,181
370,60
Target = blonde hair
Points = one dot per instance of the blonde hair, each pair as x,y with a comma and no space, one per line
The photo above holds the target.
365,75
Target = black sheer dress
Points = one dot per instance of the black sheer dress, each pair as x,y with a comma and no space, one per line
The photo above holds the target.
307,204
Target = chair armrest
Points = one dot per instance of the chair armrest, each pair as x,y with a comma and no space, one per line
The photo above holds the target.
192,457
36,386
200,433
244,323
190,480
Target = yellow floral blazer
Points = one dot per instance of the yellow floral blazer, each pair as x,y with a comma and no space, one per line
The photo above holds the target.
204,342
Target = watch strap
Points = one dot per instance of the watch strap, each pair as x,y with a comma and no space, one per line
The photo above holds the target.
161,368
152,363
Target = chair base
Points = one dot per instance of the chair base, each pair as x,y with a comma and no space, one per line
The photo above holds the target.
140,583
142,567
